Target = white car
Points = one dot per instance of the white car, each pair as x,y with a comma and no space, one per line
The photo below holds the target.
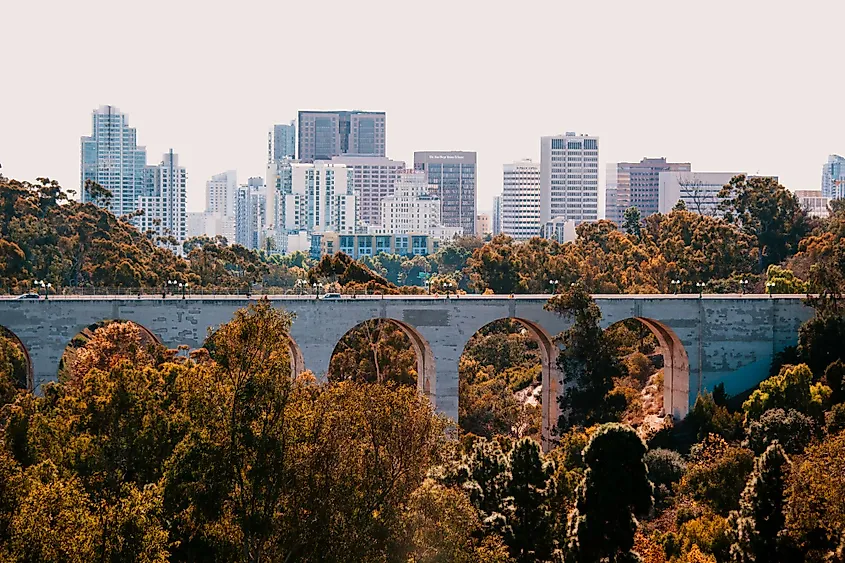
29,296
332,296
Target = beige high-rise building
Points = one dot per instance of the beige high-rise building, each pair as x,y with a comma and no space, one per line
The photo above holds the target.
373,179
483,225
569,178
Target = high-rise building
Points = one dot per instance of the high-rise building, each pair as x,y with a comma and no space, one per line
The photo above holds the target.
373,179
248,220
163,204
636,184
521,200
284,141
320,199
412,209
833,177
453,177
569,178
497,215
220,193
112,158
324,134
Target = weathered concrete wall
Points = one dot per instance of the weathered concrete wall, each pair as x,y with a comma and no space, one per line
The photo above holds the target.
723,339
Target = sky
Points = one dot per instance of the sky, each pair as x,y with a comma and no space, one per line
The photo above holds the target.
739,85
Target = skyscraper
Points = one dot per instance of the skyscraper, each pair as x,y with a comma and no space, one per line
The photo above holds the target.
320,199
324,134
453,177
833,177
284,141
521,200
569,178
163,203
373,179
112,158
497,215
637,184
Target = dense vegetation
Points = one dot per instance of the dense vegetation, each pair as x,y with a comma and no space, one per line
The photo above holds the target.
140,453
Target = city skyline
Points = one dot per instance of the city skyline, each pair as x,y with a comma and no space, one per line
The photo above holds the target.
714,126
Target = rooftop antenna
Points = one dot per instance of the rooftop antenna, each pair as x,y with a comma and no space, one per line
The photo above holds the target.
269,146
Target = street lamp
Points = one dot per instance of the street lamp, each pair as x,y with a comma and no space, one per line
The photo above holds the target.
184,288
318,288
676,284
428,285
45,286
554,284
742,285
700,286
172,284
447,286
770,288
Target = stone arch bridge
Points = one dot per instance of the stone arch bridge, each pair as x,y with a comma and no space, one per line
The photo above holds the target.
705,340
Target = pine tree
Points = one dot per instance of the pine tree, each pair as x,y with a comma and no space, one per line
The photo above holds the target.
632,223
529,518
488,474
760,519
614,490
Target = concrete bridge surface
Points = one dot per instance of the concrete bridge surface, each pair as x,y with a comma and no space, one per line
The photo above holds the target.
705,340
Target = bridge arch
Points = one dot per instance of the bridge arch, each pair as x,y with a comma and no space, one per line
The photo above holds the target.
297,360
551,377
675,365
426,378
29,376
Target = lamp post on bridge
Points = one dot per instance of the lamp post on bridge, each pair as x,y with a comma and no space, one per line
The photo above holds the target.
554,284
45,286
743,283
677,285
700,285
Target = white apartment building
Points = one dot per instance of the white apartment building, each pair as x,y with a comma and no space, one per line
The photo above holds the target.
569,177
373,179
814,202
220,193
520,203
320,199
412,209
698,190
163,205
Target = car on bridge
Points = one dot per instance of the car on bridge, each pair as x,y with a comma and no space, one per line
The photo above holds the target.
29,296
332,296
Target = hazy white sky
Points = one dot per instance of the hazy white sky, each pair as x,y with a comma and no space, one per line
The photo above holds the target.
727,85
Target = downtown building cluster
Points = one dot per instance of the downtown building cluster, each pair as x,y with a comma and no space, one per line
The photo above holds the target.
330,186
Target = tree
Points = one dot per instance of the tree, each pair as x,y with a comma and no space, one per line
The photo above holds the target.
766,210
631,224
443,527
14,371
530,522
603,523
791,429
760,520
495,266
792,388
716,474
707,417
815,510
783,280
589,361
665,469
820,341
